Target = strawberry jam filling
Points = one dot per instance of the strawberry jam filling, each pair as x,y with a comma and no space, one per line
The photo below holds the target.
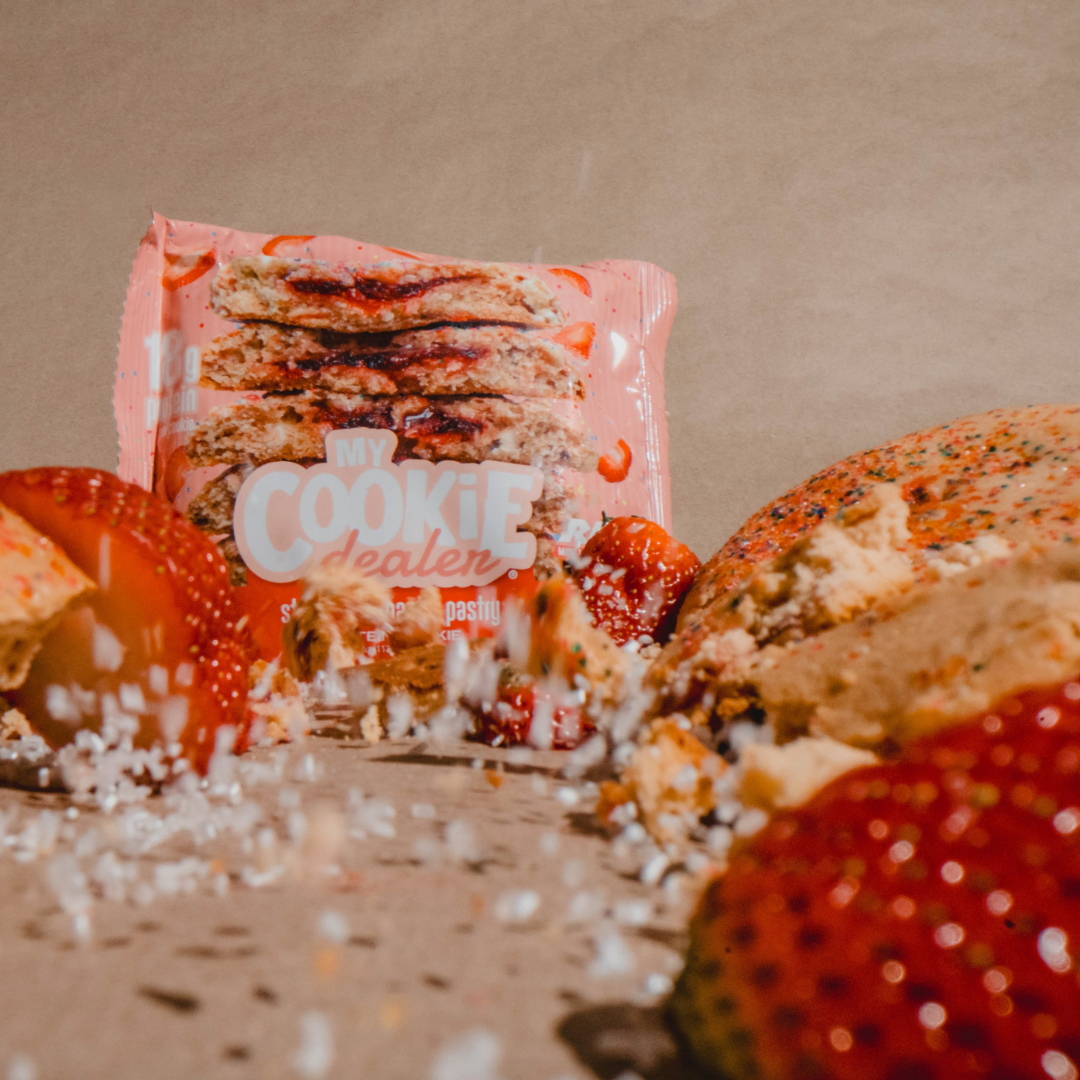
391,360
368,290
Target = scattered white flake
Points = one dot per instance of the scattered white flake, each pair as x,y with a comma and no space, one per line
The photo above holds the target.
516,905
462,844
584,907
60,704
549,842
654,868
998,902
589,753
541,729
573,873
422,810
750,822
69,884
399,711
131,698
568,796
719,839
108,652
613,955
158,678
1067,821
373,817
316,1053
333,927
658,984
633,912
473,1056
21,1067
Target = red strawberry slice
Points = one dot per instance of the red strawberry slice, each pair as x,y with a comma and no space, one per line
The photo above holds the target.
184,268
633,576
271,246
158,641
915,921
614,466
579,281
577,337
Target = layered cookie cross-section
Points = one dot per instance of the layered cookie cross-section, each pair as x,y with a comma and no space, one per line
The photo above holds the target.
293,427
438,360
382,296
451,357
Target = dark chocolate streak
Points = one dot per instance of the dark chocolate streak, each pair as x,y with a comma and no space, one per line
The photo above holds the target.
387,359
370,288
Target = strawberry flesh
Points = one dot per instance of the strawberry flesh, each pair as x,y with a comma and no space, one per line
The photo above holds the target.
914,921
508,720
633,576
159,640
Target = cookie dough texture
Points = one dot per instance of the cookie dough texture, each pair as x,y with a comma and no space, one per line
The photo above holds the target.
1001,473
380,297
784,777
441,360
38,585
939,655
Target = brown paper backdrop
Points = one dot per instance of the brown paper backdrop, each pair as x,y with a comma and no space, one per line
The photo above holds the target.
872,209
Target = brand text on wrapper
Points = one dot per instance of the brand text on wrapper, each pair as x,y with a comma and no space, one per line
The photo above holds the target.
409,523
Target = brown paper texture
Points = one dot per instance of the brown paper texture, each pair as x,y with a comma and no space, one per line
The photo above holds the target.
872,214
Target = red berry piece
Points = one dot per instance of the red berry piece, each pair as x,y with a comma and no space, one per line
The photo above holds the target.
508,721
577,337
633,576
914,921
160,639
614,467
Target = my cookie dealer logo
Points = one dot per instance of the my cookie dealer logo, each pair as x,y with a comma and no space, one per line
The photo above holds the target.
410,523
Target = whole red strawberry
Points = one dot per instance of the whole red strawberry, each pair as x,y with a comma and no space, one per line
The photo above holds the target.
633,576
158,641
914,921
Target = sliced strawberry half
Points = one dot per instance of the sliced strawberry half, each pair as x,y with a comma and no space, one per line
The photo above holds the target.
160,639
633,576
914,921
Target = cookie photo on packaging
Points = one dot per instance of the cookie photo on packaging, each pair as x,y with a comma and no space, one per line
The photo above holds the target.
430,421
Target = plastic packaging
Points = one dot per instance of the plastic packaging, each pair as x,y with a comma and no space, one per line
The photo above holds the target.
432,421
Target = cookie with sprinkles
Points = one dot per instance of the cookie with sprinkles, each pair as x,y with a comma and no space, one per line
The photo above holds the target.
1010,472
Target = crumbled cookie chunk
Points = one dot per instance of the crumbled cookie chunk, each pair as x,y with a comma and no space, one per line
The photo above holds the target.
937,655
783,777
338,606
838,570
670,779
419,622
39,584
565,643
13,725
276,706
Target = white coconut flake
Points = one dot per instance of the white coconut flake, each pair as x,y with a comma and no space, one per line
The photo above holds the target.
316,1053
516,905
472,1056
